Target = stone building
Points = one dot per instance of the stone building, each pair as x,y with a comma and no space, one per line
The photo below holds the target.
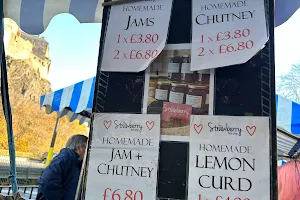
20,45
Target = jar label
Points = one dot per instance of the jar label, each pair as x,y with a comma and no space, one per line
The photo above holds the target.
173,67
176,97
161,94
185,68
151,92
207,99
194,101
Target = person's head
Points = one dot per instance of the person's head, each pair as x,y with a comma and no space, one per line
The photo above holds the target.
289,181
77,143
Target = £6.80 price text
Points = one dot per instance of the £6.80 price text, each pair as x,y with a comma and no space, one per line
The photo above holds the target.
110,194
136,54
226,48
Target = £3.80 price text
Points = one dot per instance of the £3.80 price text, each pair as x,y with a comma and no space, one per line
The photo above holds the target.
138,39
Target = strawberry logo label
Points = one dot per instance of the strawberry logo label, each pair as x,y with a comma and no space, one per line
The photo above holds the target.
150,125
198,128
251,130
107,124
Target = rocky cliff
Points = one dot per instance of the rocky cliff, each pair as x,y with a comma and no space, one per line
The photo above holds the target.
25,83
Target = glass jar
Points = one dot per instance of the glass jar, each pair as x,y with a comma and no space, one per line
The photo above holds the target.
152,87
187,76
177,93
196,97
174,69
203,77
162,90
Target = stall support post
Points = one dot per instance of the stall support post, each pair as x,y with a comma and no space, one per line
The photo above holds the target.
50,152
7,109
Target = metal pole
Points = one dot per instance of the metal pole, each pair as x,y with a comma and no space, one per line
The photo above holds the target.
50,152
80,181
273,133
7,109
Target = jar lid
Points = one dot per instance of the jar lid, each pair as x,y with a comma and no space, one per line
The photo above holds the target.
173,67
163,82
178,84
197,86
153,75
204,71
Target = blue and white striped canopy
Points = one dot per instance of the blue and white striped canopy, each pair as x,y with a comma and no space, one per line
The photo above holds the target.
75,101
288,126
284,9
281,162
33,16
288,115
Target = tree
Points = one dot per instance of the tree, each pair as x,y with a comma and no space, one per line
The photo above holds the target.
33,129
289,84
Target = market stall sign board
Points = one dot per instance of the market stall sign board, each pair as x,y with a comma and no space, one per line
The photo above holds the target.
229,158
123,157
136,34
226,32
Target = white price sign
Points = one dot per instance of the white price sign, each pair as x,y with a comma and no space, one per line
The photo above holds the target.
136,34
229,158
124,157
226,32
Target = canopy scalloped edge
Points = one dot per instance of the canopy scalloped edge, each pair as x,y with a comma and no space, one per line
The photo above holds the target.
70,114
33,16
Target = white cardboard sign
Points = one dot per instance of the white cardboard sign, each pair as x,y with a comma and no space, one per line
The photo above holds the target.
123,157
136,34
226,32
229,158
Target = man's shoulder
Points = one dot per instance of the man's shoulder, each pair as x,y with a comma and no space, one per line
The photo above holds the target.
66,155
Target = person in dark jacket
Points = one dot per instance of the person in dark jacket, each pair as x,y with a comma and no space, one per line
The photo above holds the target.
60,178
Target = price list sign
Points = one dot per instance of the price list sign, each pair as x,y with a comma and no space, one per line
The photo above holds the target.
226,32
136,34
124,157
229,158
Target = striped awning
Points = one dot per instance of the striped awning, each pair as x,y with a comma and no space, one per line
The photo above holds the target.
288,115
288,126
75,101
288,145
33,16
281,162
284,9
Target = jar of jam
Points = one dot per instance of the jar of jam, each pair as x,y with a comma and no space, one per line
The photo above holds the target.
152,87
174,69
162,90
203,77
177,93
196,97
187,76
153,69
